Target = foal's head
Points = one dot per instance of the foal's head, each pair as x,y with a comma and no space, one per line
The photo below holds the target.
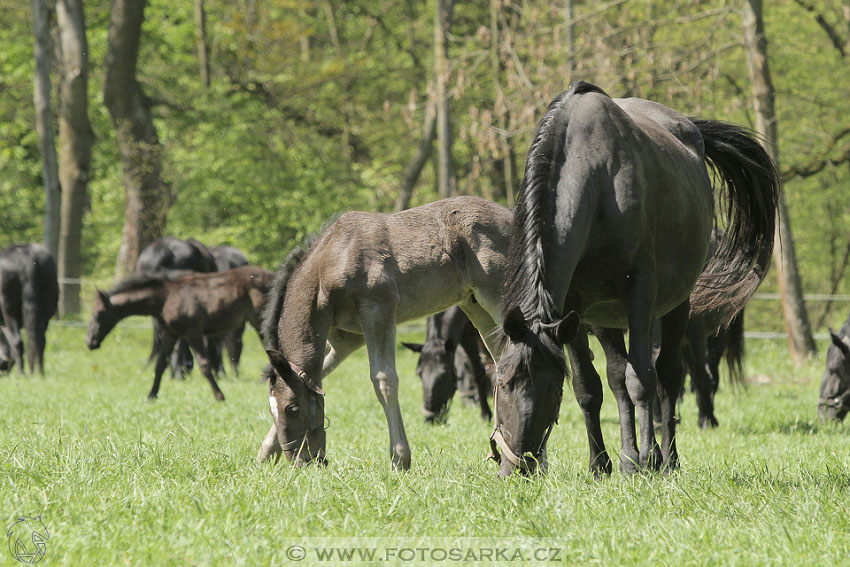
834,400
103,319
527,396
297,404
436,371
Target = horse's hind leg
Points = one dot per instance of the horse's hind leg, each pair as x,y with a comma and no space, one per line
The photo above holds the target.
671,375
198,344
617,362
641,379
587,387
377,319
166,343
701,379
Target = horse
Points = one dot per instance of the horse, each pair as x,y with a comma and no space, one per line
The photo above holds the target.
437,367
611,230
226,258
29,296
834,400
187,306
171,253
363,274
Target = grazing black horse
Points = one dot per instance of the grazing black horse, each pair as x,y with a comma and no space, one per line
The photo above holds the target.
171,253
29,295
834,401
227,258
445,332
612,229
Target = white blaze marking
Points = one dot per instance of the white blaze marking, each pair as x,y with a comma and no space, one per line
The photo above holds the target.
273,407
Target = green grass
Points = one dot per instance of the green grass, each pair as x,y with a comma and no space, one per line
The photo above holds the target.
121,481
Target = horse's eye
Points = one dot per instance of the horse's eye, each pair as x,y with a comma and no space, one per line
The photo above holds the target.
292,411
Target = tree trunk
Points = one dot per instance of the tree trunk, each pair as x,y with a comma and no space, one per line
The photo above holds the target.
417,162
447,183
203,46
75,141
799,330
147,195
44,125
500,110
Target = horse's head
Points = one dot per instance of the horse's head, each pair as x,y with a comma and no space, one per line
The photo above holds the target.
834,402
436,371
528,390
103,319
297,404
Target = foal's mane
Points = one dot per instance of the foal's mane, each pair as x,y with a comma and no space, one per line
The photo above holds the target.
147,280
525,281
277,293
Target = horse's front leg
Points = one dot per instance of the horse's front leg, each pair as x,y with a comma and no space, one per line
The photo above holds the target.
617,361
199,348
167,342
587,387
671,376
377,319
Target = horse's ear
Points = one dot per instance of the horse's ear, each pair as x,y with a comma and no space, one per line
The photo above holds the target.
279,362
415,347
514,324
566,328
841,341
104,298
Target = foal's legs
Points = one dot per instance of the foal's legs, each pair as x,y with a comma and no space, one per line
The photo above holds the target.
587,387
615,354
166,344
671,375
377,319
198,344
701,379
469,342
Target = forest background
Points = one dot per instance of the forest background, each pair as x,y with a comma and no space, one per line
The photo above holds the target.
271,117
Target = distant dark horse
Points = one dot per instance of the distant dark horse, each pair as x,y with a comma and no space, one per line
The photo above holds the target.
612,229
445,332
29,295
834,400
171,253
187,306
227,258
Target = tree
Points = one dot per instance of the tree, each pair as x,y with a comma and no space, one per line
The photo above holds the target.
447,182
147,195
75,141
44,125
794,308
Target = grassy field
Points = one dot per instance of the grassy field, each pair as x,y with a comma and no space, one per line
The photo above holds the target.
121,481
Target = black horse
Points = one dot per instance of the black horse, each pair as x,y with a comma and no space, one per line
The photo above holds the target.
171,253
834,401
227,258
29,295
437,368
612,229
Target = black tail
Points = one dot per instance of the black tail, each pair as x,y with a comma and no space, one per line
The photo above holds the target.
749,184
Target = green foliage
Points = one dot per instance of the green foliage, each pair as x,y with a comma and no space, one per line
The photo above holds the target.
315,107
120,480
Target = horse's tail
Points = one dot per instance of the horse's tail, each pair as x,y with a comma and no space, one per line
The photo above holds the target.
732,339
270,316
750,185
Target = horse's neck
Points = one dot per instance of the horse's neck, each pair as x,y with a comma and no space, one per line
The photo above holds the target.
305,324
139,302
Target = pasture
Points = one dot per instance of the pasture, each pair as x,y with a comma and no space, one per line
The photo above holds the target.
121,481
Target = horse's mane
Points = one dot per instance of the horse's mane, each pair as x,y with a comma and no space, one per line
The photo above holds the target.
275,296
525,281
147,280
